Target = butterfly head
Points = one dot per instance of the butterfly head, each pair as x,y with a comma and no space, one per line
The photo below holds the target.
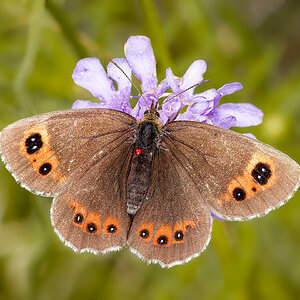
151,114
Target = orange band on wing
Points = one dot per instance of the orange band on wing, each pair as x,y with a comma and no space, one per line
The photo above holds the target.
163,236
145,231
258,176
36,148
111,226
179,233
92,223
74,205
189,224
79,216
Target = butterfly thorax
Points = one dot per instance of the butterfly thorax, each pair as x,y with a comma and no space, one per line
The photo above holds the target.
139,178
146,136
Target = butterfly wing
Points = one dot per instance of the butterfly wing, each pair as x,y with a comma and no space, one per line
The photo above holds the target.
49,152
91,214
81,157
170,229
237,177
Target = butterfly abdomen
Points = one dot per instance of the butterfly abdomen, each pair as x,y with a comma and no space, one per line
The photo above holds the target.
139,178
138,182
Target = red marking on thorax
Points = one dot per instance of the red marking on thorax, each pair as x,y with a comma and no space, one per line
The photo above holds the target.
138,151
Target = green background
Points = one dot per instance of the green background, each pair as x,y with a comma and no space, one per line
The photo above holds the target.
254,42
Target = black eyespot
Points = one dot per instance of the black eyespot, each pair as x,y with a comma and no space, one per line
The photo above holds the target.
254,189
162,240
45,168
239,194
178,236
91,227
261,173
188,227
111,228
78,219
144,233
33,143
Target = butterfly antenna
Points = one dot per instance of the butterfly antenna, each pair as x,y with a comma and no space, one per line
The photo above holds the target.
193,86
139,91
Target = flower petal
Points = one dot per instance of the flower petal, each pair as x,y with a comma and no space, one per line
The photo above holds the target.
193,75
216,217
250,135
144,103
173,81
124,83
90,74
78,104
188,115
162,87
204,102
227,89
201,107
230,88
140,56
208,95
245,114
85,104
171,108
163,119
224,121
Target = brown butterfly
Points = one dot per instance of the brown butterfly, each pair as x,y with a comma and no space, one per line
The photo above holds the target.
117,181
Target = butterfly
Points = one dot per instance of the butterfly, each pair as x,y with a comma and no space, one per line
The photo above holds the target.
121,182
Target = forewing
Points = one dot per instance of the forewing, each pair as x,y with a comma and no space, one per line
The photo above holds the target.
237,177
49,152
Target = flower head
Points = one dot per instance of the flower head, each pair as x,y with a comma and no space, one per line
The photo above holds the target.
140,61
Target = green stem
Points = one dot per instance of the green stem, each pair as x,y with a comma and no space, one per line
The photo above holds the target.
30,55
67,27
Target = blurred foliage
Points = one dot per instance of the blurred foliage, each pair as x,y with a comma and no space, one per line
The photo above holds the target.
256,42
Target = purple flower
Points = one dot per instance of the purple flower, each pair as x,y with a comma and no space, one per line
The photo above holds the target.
140,61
